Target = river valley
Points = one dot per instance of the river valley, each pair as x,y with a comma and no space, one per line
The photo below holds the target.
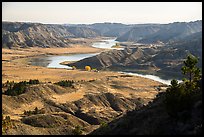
53,61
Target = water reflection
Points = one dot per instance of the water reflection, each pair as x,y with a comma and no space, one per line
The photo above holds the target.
54,61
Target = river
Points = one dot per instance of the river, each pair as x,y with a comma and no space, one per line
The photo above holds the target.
54,61
106,44
153,77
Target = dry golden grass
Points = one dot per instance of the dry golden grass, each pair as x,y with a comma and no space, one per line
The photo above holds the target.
15,68
16,72
16,114
67,97
9,54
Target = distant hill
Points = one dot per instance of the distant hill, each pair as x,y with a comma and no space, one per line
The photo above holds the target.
41,35
138,33
164,32
166,59
83,32
19,34
106,28
192,42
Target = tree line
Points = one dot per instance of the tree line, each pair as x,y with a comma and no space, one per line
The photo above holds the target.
180,97
14,89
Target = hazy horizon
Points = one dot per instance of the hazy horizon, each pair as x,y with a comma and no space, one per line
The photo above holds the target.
96,22
100,12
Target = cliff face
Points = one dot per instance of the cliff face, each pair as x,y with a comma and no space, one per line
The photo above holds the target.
138,33
41,35
112,58
164,32
83,32
16,34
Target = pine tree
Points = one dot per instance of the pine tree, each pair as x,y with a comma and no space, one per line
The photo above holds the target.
190,68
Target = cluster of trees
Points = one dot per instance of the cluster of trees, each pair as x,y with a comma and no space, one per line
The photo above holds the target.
6,123
181,96
34,81
17,89
34,112
14,89
8,84
65,83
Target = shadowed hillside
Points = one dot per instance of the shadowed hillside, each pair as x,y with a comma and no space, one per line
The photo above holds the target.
160,60
178,111
154,120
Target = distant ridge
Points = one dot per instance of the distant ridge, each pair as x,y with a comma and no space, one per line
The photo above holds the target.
21,34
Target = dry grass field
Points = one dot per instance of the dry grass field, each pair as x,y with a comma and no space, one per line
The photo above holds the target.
15,67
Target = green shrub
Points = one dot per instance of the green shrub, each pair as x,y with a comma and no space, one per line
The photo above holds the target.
14,89
35,81
65,83
17,89
8,84
103,124
74,68
34,112
6,123
77,130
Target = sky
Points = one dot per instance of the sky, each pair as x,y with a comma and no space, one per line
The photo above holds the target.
98,12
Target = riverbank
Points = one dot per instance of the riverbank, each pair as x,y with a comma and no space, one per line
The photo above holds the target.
49,64
107,86
16,66
12,54
15,62
62,61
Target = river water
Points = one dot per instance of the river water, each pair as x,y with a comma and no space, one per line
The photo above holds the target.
106,44
153,77
54,61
